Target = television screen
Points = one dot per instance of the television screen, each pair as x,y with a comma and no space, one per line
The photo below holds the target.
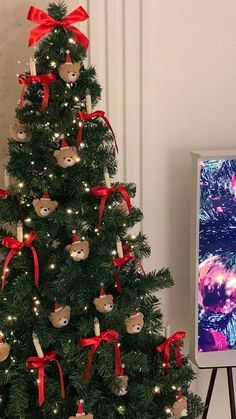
217,256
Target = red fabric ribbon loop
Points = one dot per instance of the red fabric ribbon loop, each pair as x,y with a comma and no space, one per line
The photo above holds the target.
166,347
4,193
47,24
45,79
109,336
15,246
84,117
119,262
105,192
34,362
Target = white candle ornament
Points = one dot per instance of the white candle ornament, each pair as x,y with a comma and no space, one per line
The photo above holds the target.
19,232
97,330
119,247
88,101
32,64
107,178
37,345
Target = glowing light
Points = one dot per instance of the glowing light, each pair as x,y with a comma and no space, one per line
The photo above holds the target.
157,389
21,185
69,211
53,63
28,220
52,266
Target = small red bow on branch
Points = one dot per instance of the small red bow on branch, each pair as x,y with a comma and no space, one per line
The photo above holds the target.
4,193
104,192
47,24
109,336
166,347
26,79
90,116
40,363
119,262
15,246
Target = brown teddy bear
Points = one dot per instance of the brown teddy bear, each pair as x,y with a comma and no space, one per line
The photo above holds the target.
134,323
4,349
69,71
60,317
179,408
19,131
66,156
104,304
123,208
44,206
120,385
81,413
79,250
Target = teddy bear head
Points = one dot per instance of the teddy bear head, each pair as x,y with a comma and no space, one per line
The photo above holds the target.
122,207
79,250
4,350
44,206
134,323
19,132
88,416
81,412
66,156
60,317
69,71
104,304
179,408
120,386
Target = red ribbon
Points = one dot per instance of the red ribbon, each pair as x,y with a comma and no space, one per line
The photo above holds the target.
4,193
40,364
119,262
166,347
47,24
15,246
105,192
109,336
90,116
26,79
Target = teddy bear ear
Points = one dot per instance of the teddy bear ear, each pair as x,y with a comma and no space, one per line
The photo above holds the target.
56,153
55,203
35,201
68,247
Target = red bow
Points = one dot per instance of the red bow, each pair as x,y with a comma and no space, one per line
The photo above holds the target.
40,364
4,193
26,79
90,116
105,192
119,262
47,24
15,246
166,347
109,336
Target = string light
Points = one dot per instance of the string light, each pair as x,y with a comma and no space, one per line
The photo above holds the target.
28,220
53,64
52,266
168,410
32,162
76,99
21,184
69,211
157,389
71,40
114,252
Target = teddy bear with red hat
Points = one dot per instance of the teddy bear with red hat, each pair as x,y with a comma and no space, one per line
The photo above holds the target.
66,156
44,206
104,304
69,71
19,131
180,407
81,412
60,317
134,323
79,250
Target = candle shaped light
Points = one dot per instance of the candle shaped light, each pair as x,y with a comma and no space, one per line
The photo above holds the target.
167,330
19,232
97,330
119,247
107,177
37,345
6,179
32,64
88,101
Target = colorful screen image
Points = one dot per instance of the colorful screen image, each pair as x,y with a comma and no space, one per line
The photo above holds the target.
217,256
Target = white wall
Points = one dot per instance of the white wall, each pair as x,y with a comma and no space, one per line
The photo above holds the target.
168,70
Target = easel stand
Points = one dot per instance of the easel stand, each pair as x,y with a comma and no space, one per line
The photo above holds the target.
231,392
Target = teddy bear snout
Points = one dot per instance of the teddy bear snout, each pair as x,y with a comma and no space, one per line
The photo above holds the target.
69,161
21,135
44,211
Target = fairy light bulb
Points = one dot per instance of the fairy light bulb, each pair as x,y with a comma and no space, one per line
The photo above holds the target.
53,64
21,184
157,389
69,211
52,266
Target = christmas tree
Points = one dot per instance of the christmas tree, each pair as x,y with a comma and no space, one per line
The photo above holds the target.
81,327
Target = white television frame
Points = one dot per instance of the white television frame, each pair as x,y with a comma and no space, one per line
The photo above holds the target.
214,359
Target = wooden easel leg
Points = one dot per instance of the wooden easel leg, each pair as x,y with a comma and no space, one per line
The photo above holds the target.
209,393
231,392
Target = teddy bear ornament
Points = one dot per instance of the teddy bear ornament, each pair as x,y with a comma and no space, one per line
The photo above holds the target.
180,407
79,250
66,156
44,206
60,317
81,413
69,71
104,304
4,349
134,323
19,131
